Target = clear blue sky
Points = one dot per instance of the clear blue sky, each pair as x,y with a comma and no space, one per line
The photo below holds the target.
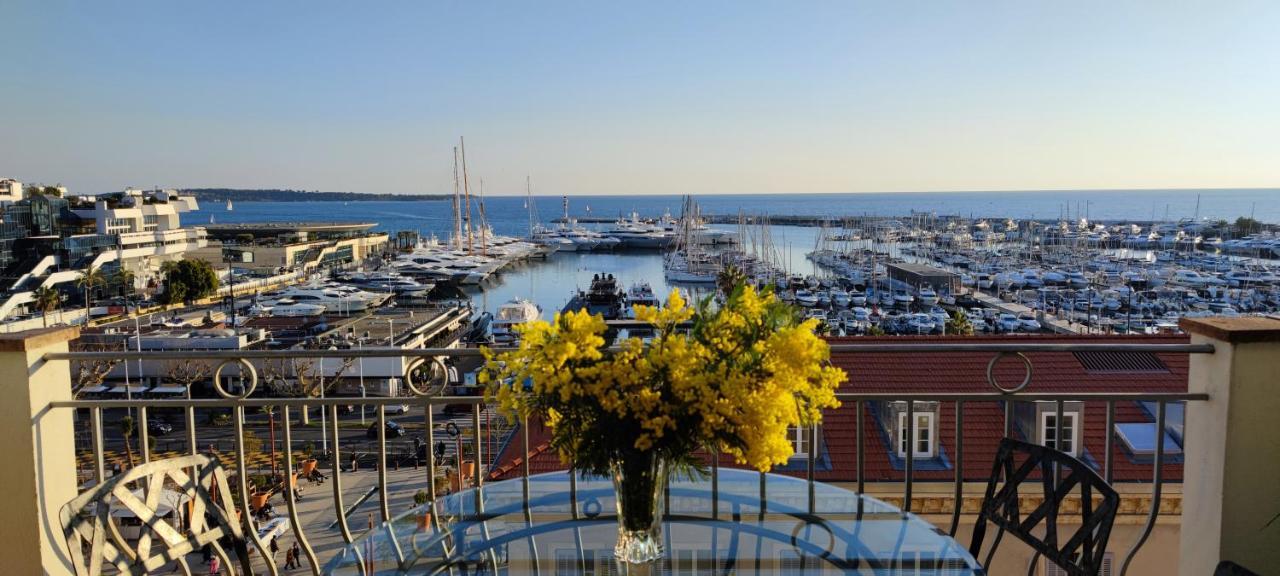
645,97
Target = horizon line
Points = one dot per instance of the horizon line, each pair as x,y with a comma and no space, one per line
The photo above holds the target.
696,194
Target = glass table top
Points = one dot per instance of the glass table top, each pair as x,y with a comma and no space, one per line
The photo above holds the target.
712,526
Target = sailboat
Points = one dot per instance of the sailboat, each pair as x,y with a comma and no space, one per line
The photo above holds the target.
229,206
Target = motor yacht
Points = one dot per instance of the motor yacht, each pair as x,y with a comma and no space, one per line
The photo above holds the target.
335,301
806,298
840,297
510,315
927,297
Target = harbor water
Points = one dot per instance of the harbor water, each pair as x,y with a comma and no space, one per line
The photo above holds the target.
551,283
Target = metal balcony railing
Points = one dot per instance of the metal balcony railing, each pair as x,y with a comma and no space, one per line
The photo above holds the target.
426,397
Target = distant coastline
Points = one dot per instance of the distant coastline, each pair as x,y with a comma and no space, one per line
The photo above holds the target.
280,195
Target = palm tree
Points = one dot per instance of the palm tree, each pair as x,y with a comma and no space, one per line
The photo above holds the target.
959,324
47,299
127,429
88,280
125,279
168,266
729,278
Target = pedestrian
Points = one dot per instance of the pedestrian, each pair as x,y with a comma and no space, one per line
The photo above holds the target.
297,554
206,552
289,564
215,566
275,548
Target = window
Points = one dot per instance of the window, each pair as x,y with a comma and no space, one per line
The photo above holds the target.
1070,431
799,441
922,434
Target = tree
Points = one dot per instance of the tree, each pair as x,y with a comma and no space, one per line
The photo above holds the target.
874,330
729,278
47,299
88,280
93,372
35,190
1245,226
959,324
127,429
187,280
187,372
124,279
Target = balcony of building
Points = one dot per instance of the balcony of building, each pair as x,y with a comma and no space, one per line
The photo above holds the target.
1180,427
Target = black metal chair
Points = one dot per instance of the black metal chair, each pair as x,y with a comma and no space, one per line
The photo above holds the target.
142,491
1080,553
1228,568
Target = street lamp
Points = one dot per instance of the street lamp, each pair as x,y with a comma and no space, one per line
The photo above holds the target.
360,360
324,412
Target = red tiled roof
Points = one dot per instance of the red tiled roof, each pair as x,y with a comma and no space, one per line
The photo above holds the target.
956,372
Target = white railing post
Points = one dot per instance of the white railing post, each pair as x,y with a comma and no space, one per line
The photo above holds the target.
1231,475
38,450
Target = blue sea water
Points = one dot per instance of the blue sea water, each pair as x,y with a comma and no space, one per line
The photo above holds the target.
508,215
550,284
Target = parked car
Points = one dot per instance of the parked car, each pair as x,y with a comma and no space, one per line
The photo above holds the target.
394,430
158,427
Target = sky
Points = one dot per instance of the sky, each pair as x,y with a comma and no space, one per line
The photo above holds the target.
643,97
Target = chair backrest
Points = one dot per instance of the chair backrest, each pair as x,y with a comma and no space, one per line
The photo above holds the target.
183,485
1227,568
1025,469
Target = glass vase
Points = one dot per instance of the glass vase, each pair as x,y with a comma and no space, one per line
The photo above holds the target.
640,481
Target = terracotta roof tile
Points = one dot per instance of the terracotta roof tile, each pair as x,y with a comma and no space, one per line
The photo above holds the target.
957,372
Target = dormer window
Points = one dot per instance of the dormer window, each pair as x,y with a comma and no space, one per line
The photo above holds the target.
799,436
1070,431
922,435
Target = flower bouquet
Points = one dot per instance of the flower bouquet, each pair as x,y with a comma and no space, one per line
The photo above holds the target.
728,379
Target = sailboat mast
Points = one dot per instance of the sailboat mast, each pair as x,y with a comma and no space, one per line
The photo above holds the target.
457,207
466,190
528,200
484,247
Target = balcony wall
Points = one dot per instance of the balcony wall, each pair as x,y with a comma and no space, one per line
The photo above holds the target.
1232,458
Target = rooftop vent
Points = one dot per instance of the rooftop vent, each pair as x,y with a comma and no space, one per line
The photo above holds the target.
1110,362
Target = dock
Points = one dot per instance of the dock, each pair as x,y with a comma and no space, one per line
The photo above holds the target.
1048,321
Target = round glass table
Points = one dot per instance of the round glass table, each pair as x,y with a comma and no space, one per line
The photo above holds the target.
739,522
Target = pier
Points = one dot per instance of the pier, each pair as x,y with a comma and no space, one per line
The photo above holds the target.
1047,321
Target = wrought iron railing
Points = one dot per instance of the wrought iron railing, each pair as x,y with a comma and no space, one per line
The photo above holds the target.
427,395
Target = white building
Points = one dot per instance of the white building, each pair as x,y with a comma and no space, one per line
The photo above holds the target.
10,190
147,225
138,230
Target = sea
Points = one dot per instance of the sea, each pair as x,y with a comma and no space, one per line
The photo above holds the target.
552,283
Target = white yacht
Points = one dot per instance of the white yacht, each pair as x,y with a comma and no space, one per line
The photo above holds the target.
806,298
840,297
286,307
514,313
642,295
927,297
635,233
334,299
387,282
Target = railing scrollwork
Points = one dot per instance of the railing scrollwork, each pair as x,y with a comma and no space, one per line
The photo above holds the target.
245,367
